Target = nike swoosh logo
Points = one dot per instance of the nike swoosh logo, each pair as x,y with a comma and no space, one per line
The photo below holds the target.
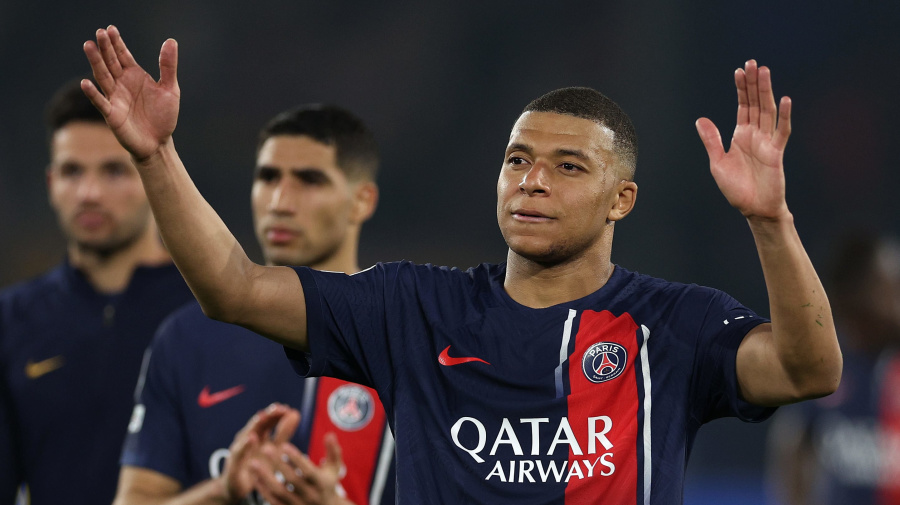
207,399
34,370
446,360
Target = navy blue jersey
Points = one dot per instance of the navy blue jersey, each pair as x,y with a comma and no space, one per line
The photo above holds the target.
596,400
204,379
69,360
853,433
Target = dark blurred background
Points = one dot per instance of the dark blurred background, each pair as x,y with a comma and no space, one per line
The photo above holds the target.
441,85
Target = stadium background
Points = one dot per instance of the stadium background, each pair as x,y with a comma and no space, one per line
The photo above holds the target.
441,84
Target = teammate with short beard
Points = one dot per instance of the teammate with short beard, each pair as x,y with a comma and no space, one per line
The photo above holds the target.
71,340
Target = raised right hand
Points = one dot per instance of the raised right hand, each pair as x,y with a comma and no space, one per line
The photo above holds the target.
141,112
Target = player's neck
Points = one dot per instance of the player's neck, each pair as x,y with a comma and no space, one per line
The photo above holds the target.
111,273
343,260
538,286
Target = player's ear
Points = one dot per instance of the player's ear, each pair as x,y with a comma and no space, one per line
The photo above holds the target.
365,200
626,195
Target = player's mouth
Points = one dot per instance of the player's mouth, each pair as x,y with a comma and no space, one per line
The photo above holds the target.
280,236
90,219
530,216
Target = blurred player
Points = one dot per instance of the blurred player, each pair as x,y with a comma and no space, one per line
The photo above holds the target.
556,376
71,340
846,448
313,189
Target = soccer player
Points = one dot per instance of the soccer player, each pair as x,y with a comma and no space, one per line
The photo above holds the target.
313,189
846,448
71,340
556,377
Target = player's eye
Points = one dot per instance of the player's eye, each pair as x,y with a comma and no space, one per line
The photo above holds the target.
115,169
70,170
267,174
570,167
516,160
313,177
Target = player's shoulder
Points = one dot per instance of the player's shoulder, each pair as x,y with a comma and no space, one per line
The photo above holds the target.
28,296
425,275
188,326
635,286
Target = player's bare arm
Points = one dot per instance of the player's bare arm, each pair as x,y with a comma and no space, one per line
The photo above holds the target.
142,113
797,356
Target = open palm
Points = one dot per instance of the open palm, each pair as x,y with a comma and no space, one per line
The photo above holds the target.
141,112
751,173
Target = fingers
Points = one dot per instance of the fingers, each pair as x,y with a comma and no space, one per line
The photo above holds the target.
279,480
108,53
123,55
168,64
243,446
286,427
95,97
740,83
767,111
752,74
101,74
711,138
304,476
272,486
266,420
784,123
333,453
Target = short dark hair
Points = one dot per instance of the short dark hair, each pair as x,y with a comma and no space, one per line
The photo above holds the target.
69,104
862,260
855,260
355,146
587,103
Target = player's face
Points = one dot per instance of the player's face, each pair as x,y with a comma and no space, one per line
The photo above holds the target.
558,186
884,295
95,190
302,201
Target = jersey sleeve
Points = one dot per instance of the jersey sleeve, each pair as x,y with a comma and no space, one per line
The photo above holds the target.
346,324
155,438
715,387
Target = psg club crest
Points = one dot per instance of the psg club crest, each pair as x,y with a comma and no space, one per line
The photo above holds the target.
350,407
604,361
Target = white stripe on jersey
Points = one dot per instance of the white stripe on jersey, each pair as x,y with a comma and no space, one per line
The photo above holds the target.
564,352
384,465
645,372
309,395
142,376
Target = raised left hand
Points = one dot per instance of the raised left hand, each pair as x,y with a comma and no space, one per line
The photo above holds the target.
751,173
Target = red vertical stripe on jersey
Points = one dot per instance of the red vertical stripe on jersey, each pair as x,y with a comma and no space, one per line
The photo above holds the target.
360,447
889,407
616,399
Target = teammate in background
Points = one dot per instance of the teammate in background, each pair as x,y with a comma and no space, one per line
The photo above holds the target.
71,340
313,189
557,377
846,448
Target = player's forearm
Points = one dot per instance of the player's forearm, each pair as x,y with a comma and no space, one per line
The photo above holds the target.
211,260
209,492
803,331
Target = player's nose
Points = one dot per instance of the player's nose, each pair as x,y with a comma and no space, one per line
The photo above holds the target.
282,200
536,181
